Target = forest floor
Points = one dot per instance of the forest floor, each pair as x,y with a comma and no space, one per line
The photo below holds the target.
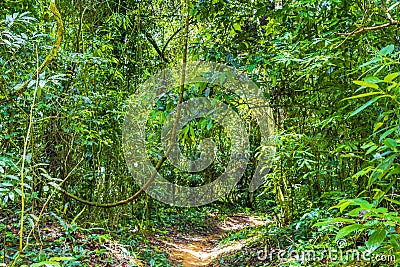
201,248
202,240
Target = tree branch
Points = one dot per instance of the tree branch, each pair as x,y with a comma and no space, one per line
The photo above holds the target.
372,28
365,29
155,46
172,37
161,52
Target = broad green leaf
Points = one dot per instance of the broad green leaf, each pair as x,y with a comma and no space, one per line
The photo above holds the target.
365,146
395,170
374,60
389,78
367,84
18,191
31,223
342,205
385,165
12,177
376,239
387,133
34,217
371,149
363,203
387,50
377,126
391,143
373,79
345,231
57,186
371,101
237,27
355,212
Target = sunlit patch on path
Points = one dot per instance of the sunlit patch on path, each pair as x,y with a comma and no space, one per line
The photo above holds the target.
200,250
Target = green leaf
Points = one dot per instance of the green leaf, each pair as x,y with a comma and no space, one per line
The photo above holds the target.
345,231
18,191
367,84
392,200
390,77
57,186
377,126
363,95
191,131
387,163
373,79
395,170
378,194
39,92
371,149
363,203
31,223
391,143
342,205
209,125
355,212
11,196
376,239
371,101
387,133
374,60
387,50
381,169
237,27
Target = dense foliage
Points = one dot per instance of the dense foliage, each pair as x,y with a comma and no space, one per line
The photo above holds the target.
329,70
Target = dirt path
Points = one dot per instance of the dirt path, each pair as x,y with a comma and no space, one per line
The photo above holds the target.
200,250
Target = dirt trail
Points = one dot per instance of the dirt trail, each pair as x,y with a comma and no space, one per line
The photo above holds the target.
200,250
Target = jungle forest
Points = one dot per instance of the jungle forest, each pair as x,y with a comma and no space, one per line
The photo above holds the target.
199,133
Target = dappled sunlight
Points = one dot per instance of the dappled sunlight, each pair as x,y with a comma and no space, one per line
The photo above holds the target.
198,250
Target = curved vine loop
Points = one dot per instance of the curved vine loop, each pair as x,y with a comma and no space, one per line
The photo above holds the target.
174,132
